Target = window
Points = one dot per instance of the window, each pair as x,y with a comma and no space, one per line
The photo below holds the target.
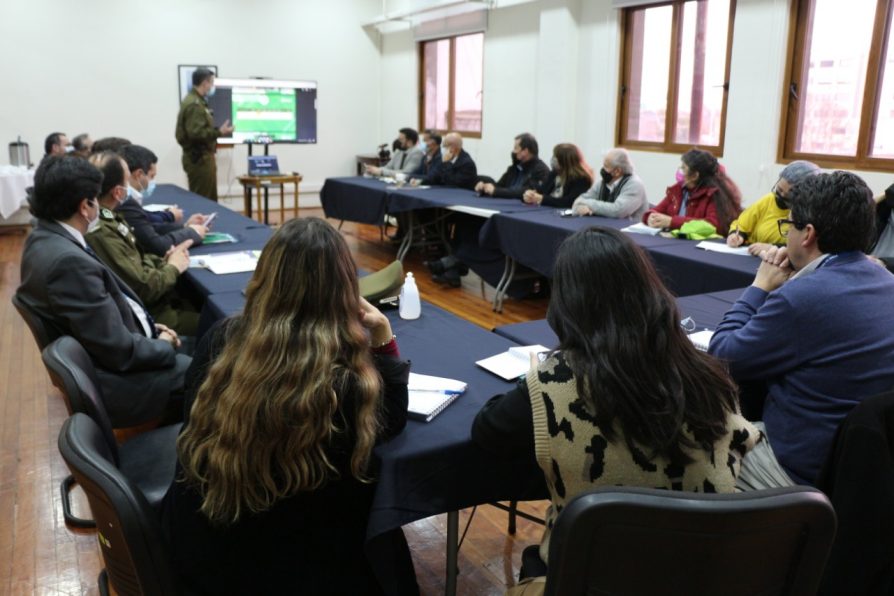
838,108
675,73
451,84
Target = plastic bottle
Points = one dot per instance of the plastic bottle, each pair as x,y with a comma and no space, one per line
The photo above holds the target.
410,305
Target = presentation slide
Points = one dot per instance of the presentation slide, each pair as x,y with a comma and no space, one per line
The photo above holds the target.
266,110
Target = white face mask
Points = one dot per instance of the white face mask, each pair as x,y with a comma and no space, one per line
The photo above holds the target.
93,224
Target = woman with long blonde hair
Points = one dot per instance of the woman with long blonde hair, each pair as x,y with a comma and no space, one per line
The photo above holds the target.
285,403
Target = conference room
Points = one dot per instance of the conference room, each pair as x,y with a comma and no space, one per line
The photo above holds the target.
753,135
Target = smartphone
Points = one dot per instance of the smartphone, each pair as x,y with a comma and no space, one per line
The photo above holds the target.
566,212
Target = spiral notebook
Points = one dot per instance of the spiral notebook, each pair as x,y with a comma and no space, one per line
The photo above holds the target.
428,395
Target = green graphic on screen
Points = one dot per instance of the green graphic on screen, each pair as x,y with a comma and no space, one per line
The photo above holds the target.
264,112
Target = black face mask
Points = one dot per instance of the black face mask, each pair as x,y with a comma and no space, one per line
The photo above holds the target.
606,176
515,159
781,201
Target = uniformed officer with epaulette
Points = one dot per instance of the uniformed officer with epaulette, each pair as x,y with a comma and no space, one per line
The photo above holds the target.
152,278
198,136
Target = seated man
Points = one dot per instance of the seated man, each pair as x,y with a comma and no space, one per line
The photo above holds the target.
405,160
75,294
527,172
619,192
83,145
431,160
57,143
457,167
152,278
156,231
109,144
814,327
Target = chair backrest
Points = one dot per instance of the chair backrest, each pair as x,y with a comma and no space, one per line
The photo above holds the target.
73,372
42,332
127,528
622,540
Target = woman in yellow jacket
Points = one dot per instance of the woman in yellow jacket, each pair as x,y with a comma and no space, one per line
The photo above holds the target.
756,225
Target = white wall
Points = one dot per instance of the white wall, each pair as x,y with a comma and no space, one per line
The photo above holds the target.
552,68
110,68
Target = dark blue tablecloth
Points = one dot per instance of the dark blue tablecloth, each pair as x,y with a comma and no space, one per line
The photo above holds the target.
532,238
706,310
434,467
354,198
409,198
250,235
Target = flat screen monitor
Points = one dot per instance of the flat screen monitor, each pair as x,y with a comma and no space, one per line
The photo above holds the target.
266,110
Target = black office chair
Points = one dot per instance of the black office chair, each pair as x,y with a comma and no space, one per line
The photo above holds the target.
646,541
134,554
148,460
42,333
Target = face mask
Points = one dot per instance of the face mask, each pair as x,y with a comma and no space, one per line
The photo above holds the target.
443,153
515,160
93,223
781,201
554,163
680,177
150,188
605,175
211,92
69,148
135,194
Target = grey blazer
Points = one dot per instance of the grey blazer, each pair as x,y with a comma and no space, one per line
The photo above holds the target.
412,162
75,294
631,201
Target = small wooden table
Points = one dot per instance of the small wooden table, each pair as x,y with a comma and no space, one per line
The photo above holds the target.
265,182
369,159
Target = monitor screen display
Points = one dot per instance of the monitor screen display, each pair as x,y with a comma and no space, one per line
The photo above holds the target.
266,110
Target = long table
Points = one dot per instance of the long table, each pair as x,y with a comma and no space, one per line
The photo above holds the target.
706,312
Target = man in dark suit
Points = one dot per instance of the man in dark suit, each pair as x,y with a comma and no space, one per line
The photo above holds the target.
75,294
155,232
457,168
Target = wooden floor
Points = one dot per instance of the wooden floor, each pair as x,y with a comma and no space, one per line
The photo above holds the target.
39,555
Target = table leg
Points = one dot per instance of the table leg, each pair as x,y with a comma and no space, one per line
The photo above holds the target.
282,204
246,199
266,205
295,208
452,552
408,237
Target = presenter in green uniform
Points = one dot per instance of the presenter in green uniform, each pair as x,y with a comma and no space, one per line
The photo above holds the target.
198,136
152,278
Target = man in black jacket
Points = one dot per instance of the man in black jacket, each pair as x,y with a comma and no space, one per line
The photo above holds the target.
527,171
156,233
457,167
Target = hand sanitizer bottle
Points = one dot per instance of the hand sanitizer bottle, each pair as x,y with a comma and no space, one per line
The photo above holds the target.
410,305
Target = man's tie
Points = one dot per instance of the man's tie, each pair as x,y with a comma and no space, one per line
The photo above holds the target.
403,158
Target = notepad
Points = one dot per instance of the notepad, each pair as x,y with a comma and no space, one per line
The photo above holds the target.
218,238
512,363
227,262
156,207
701,339
720,247
641,228
428,395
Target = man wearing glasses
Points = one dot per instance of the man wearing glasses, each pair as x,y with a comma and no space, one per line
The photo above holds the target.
812,328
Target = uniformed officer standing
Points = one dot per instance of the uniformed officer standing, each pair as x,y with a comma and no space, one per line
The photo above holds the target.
198,136
152,278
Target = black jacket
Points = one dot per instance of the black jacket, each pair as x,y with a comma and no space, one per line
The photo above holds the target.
534,174
570,191
858,478
461,173
156,240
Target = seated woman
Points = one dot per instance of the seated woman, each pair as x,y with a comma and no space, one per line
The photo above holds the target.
756,225
619,192
286,401
569,177
703,191
625,399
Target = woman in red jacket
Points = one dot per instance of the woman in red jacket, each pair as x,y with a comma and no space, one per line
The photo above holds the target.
703,191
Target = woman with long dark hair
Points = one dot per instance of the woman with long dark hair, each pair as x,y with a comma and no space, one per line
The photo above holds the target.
285,402
625,398
702,191
570,176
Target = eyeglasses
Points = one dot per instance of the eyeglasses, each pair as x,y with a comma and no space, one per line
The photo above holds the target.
785,226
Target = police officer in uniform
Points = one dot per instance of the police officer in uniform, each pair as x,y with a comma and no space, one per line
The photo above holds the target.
152,278
198,136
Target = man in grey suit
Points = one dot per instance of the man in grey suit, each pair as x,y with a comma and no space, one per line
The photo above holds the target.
406,160
75,294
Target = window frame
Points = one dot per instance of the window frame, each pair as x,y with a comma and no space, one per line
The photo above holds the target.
669,145
792,86
451,95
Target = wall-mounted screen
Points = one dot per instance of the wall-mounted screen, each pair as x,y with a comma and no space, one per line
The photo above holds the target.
266,110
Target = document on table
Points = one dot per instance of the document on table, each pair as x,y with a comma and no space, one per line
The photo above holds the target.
701,339
721,247
227,262
512,363
156,207
641,228
428,395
